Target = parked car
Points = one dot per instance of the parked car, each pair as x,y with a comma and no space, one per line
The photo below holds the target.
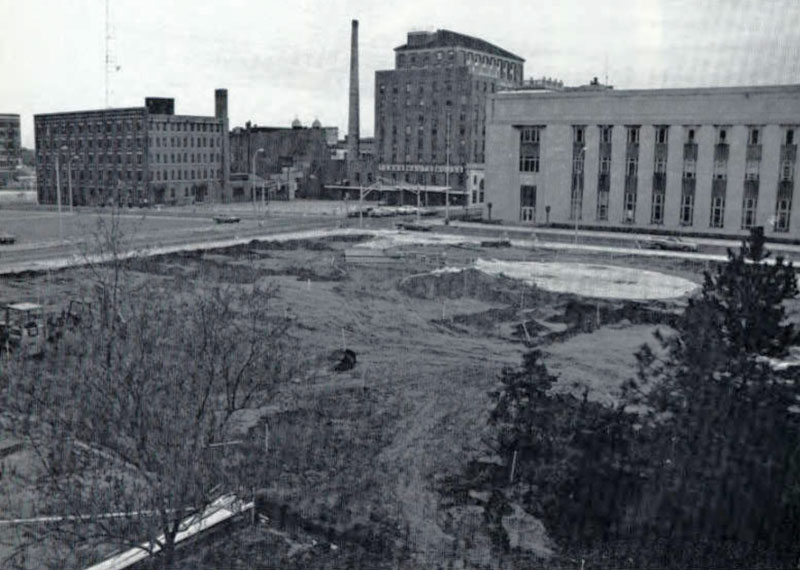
226,219
7,239
671,243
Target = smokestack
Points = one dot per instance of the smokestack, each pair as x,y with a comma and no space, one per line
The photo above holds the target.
352,124
223,191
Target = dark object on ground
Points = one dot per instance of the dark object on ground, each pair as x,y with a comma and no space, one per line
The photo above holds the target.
670,243
345,360
413,227
7,239
496,243
226,219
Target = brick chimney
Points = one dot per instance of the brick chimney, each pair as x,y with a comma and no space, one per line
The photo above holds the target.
352,124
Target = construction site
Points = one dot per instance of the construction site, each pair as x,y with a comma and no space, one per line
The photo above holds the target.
400,337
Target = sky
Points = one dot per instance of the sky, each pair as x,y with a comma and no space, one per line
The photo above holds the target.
289,59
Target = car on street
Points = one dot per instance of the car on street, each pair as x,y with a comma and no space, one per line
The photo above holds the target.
226,219
7,239
671,243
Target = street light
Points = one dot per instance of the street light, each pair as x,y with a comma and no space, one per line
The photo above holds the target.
58,192
253,179
575,205
69,177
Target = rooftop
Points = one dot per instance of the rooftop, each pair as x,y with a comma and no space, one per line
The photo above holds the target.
604,91
447,38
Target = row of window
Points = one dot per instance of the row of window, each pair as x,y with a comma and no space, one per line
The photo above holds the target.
781,220
138,175
73,145
98,126
116,126
505,68
185,141
754,133
203,174
186,157
532,134
186,126
447,87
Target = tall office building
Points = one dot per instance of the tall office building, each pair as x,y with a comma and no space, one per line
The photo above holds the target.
133,155
705,160
430,110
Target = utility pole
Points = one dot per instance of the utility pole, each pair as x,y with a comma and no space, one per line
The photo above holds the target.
69,175
253,180
447,164
578,206
58,193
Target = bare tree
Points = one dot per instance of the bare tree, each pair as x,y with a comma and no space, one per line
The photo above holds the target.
128,412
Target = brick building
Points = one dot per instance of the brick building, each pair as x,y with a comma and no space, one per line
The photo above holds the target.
430,111
134,155
9,147
704,161
296,158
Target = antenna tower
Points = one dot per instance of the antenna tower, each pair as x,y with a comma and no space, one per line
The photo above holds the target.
110,61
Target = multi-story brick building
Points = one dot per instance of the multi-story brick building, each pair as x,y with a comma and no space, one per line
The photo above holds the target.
710,160
430,111
134,155
9,147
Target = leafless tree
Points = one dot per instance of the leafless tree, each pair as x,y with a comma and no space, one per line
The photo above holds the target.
130,410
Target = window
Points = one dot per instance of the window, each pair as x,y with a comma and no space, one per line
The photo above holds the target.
529,163
689,169
661,165
787,170
630,207
605,165
529,135
690,132
717,212
527,203
753,136
722,135
605,133
577,164
751,170
631,166
578,133
662,134
782,213
789,138
657,209
602,206
748,213
687,209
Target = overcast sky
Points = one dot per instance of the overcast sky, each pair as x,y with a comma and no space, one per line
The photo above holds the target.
285,59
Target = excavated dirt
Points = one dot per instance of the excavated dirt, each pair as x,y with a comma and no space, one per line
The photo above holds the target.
355,456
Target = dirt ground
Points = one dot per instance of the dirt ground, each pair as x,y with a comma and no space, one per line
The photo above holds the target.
359,453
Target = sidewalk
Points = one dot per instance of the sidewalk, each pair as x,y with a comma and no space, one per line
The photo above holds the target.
732,242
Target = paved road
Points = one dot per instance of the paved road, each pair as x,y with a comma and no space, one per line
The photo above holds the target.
35,255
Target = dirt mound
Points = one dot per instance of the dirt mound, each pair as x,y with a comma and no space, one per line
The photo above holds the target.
468,283
312,244
483,321
584,316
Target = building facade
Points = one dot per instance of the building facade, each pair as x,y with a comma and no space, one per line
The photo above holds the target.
430,110
133,155
300,155
9,147
711,160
